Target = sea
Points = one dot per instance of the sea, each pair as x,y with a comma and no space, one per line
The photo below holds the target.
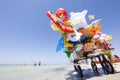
31,72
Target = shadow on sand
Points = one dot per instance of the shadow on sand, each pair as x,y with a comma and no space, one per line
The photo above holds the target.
87,74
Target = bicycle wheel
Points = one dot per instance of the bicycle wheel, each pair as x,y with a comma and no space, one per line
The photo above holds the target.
107,67
75,67
79,70
94,67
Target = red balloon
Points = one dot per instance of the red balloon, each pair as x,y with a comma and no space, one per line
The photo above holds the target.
62,12
61,24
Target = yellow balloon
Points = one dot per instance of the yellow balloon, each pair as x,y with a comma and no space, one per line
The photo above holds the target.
55,27
98,28
66,43
79,44
68,23
90,30
91,17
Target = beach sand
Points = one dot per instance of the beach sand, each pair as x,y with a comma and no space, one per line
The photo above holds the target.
54,72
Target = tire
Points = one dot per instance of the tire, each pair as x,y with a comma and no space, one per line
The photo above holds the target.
79,70
75,67
94,67
107,67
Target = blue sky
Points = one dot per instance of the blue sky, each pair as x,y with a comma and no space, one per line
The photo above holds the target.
26,35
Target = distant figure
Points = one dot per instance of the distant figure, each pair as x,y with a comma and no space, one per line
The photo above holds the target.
39,63
35,64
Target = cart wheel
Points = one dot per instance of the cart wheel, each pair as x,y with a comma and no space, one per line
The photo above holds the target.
94,67
79,70
107,67
75,67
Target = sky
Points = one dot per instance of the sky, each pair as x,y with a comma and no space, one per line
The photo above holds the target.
26,35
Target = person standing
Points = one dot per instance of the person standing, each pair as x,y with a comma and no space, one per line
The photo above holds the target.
39,63
35,63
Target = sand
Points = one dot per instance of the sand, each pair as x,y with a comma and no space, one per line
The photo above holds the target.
54,72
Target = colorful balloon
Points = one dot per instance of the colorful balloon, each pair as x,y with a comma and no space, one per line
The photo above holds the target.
60,44
74,36
91,17
62,26
76,32
54,27
78,19
66,43
62,13
82,30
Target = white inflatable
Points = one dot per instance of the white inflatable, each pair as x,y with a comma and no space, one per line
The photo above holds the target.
74,36
78,19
